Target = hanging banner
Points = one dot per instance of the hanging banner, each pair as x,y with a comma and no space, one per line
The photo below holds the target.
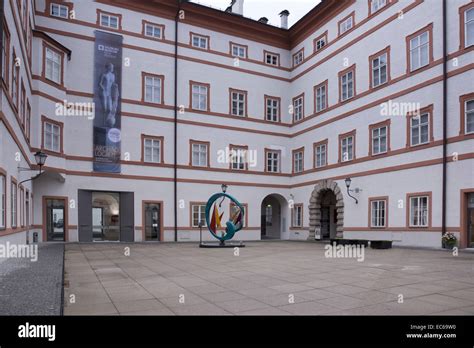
107,97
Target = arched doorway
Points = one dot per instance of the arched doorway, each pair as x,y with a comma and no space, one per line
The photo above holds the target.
274,210
326,211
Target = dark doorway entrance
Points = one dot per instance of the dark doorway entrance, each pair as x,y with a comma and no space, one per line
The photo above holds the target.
470,220
55,219
152,221
274,210
328,214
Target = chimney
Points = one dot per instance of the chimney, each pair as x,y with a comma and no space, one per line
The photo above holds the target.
237,7
263,20
284,19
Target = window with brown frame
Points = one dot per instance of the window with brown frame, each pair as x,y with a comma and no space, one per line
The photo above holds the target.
152,88
320,153
347,83
239,157
153,30
298,160
5,53
347,142
52,135
109,20
346,24
237,102
297,215
377,5
271,58
59,10
320,42
152,148
22,112
239,51
13,203
22,206
3,200
272,161
420,127
298,57
199,153
53,64
419,209
378,212
199,98
420,48
466,25
298,108
199,41
380,68
467,114
321,97
379,138
272,108
28,120
198,214
15,77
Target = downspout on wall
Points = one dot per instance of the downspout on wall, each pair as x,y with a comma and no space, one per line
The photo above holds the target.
175,165
445,118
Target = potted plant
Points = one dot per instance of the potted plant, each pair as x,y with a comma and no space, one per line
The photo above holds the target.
449,240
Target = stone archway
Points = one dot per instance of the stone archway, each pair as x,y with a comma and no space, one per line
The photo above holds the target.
315,208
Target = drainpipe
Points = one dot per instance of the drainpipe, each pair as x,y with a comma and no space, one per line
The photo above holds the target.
175,167
445,123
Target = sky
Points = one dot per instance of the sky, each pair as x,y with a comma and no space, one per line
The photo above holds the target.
256,9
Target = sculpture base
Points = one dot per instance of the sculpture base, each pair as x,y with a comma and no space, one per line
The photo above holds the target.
222,245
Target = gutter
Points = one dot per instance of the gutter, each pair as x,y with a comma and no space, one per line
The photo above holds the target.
175,164
445,119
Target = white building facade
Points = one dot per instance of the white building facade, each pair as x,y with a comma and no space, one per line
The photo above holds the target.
356,89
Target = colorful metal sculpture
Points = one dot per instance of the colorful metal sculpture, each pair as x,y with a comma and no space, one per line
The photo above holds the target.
213,220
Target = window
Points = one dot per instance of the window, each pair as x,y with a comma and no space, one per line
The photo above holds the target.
419,129
378,213
109,20
320,154
376,5
22,104
467,31
346,24
420,48
52,136
200,41
53,65
298,108
347,147
272,58
199,96
199,154
22,206
320,42
379,137
238,102
298,57
321,96
153,86
13,204
28,120
152,149
467,113
198,214
3,201
272,109
298,160
272,161
58,10
379,68
5,54
297,218
239,51
238,157
15,76
419,211
154,31
347,84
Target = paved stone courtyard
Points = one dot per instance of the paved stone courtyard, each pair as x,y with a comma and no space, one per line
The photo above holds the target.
267,278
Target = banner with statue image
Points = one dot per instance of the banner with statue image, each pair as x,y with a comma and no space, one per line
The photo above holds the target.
107,96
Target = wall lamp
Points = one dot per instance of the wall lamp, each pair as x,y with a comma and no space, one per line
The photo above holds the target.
348,185
40,159
224,188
